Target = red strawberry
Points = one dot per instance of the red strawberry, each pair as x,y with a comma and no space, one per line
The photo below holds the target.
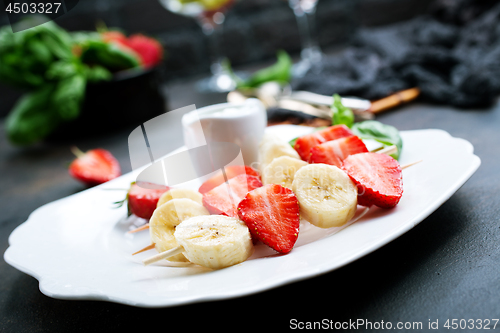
272,214
149,49
378,176
231,172
335,151
94,167
142,201
121,41
304,143
110,35
224,199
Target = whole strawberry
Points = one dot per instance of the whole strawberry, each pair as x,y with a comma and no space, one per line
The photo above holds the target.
149,49
94,167
271,212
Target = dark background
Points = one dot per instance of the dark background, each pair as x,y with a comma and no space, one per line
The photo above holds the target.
253,30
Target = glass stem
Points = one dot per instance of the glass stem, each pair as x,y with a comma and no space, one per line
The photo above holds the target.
305,21
213,29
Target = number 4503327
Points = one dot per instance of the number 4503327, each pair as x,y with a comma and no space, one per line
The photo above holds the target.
471,324
32,8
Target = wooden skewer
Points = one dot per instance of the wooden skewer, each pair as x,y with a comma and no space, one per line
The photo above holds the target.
394,100
410,164
163,255
391,150
149,247
387,150
142,227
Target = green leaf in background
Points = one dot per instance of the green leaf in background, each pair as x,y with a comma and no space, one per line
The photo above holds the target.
39,51
32,118
61,69
97,73
68,95
110,55
279,71
26,55
341,114
375,130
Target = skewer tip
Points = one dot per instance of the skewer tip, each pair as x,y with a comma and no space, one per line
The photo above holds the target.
410,164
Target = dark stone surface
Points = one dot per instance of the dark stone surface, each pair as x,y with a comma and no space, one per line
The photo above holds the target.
444,268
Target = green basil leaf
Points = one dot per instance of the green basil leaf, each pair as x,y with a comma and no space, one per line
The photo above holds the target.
61,70
58,42
341,114
39,51
386,134
109,55
32,117
68,95
97,73
280,72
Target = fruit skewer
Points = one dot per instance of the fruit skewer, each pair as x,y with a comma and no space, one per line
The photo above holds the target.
215,181
306,186
180,249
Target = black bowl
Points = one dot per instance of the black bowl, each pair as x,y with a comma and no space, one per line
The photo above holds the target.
132,97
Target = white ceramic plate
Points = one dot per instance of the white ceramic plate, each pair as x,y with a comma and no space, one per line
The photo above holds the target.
78,247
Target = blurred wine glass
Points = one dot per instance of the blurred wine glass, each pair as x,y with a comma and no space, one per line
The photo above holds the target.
305,12
210,16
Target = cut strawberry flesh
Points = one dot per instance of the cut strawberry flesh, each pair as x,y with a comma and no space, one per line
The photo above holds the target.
378,177
272,215
335,151
304,143
231,172
224,199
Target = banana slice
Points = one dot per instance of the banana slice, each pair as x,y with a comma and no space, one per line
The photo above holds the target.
214,241
273,146
326,194
282,171
179,193
166,217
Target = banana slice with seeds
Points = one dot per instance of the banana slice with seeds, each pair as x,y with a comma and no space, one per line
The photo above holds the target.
214,241
326,194
165,219
273,146
179,193
282,171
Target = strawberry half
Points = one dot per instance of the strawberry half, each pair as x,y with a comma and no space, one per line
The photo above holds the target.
224,199
231,172
149,49
94,167
142,201
304,143
335,151
378,176
272,214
